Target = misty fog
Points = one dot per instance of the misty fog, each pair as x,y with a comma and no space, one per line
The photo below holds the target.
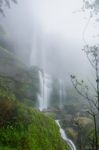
49,34
49,75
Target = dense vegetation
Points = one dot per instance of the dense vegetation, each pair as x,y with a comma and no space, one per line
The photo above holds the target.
21,126
24,127
17,78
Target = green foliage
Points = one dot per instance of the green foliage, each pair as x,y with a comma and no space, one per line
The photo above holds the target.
22,127
6,148
23,86
18,79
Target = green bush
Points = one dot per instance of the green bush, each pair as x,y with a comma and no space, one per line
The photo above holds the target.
27,129
6,148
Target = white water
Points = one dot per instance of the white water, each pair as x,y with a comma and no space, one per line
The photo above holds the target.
64,136
43,97
40,95
46,89
61,94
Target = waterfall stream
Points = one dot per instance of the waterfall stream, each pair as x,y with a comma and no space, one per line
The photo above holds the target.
61,93
64,136
43,99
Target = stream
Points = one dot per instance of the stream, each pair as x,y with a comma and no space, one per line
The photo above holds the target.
64,136
43,100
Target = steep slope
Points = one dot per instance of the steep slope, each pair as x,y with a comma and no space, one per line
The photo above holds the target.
18,78
23,127
9,64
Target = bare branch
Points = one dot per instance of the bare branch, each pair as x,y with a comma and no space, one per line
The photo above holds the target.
92,85
7,3
83,90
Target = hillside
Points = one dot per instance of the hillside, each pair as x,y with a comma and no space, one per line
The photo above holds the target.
9,64
16,77
22,126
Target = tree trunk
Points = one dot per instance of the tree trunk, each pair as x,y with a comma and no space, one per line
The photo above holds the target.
96,136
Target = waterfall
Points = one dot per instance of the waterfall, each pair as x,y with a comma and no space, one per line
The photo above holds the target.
61,93
40,95
64,136
43,97
49,94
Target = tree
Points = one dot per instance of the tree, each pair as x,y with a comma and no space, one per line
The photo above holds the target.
5,3
92,96
91,5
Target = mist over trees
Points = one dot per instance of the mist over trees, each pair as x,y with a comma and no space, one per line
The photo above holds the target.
83,89
40,46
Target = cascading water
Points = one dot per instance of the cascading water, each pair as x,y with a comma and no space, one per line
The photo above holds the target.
63,135
43,97
61,94
40,95
46,90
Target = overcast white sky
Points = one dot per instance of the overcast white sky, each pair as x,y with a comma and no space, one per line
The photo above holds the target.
59,25
64,17
57,16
